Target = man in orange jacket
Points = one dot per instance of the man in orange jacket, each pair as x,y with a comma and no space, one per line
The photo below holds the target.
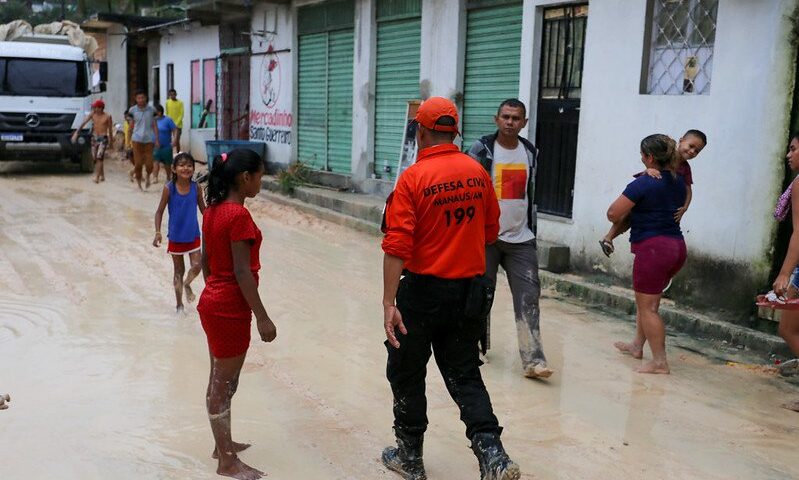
437,223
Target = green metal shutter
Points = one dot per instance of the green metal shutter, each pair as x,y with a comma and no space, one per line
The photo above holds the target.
339,101
312,121
397,81
326,45
493,44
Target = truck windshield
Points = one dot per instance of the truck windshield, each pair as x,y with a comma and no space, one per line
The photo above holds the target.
41,77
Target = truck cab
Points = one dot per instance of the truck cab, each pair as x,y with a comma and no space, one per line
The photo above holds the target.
45,88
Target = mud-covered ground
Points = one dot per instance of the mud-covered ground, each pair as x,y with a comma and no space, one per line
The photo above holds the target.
107,382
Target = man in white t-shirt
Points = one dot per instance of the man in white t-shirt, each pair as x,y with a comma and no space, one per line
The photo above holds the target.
511,160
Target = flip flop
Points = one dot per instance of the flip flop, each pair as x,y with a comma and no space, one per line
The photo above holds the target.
777,302
607,247
789,368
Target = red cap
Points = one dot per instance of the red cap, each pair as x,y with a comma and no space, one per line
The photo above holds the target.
98,104
434,108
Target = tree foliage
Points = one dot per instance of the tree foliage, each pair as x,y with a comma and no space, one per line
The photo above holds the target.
75,10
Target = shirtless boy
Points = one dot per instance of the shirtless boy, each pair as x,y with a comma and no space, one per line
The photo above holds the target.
102,134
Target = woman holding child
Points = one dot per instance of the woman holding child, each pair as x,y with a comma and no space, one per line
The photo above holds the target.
649,206
783,284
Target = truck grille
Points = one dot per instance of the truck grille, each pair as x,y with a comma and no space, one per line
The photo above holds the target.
48,122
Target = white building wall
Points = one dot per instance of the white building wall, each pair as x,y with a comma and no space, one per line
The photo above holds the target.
272,118
180,47
116,95
363,94
745,117
443,48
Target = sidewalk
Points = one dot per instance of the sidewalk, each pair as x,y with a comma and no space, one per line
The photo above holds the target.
699,331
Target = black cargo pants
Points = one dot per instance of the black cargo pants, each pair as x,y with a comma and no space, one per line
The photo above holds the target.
432,310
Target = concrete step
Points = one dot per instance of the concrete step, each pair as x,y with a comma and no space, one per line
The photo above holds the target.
369,208
361,206
553,257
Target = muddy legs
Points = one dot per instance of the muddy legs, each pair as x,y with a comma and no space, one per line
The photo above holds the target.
222,385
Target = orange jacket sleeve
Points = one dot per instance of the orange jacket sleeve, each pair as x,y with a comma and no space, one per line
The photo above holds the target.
400,220
491,213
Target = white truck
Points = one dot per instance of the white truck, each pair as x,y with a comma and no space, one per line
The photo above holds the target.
45,88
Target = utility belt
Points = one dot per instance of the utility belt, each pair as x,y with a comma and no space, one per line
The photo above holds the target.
479,291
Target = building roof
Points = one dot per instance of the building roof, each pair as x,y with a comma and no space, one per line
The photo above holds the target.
105,20
214,12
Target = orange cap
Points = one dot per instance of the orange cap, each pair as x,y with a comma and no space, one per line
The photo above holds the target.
98,104
434,108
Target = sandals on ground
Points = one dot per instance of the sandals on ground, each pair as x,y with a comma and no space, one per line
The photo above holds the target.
607,247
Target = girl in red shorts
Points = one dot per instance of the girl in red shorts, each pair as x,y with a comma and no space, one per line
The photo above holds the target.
230,264
648,205
183,197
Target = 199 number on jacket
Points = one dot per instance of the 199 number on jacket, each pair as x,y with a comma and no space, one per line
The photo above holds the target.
459,214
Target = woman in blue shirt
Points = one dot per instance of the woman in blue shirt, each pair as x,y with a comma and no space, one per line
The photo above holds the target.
648,204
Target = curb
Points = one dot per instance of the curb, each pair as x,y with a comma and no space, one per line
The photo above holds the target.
324,213
679,320
613,300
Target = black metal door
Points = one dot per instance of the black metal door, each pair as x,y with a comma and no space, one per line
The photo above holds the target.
137,71
561,78
236,97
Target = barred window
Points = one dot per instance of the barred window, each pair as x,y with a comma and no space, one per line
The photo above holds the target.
679,47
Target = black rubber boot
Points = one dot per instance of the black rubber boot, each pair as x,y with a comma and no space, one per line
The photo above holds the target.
406,458
494,462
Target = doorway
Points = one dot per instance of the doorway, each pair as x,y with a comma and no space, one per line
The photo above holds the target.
559,92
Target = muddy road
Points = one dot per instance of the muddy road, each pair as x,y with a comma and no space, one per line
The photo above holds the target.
107,382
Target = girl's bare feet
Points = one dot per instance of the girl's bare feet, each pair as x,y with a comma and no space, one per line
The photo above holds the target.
237,447
791,406
189,293
235,468
96,180
654,367
630,349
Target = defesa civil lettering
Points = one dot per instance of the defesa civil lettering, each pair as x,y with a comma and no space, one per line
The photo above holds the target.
453,186
460,197
443,187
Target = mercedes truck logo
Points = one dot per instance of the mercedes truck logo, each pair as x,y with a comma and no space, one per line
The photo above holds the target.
32,120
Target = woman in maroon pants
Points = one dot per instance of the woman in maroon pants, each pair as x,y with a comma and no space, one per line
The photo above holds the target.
648,205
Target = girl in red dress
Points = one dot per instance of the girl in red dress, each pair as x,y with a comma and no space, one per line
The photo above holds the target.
230,264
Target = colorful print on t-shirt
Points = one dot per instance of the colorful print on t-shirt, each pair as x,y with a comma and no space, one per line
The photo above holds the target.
510,181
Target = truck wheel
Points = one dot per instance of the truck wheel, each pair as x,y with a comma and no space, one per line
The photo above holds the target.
86,161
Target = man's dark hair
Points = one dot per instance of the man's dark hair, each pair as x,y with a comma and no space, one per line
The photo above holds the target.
513,103
139,92
159,109
698,134
172,90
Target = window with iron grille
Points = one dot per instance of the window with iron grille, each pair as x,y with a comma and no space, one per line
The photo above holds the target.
680,37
